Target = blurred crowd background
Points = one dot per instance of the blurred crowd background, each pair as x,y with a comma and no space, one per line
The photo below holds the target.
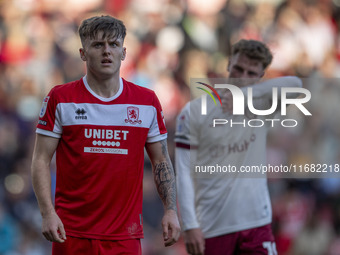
169,42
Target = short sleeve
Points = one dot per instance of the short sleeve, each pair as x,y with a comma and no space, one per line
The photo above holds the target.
49,123
157,130
186,134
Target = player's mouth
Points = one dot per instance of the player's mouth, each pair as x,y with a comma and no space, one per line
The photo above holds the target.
106,61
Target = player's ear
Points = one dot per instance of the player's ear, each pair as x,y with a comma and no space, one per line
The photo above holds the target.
123,53
82,54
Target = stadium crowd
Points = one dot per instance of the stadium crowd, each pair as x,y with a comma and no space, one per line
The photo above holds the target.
169,42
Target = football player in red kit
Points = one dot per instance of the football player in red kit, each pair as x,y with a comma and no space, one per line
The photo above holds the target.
98,126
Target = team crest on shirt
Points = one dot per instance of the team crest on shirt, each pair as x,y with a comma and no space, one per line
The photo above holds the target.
133,115
44,107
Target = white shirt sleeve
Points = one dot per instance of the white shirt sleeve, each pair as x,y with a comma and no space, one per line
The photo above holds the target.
185,188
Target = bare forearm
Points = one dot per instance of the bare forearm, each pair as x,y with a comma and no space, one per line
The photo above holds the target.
165,182
41,180
164,175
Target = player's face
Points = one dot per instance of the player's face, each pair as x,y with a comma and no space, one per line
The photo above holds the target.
103,56
244,70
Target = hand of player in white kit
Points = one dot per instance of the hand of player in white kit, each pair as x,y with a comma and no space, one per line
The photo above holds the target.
194,241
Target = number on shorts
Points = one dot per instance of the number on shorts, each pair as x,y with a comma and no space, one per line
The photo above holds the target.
271,247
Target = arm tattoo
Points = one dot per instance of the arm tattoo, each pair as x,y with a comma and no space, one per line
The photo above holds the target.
165,180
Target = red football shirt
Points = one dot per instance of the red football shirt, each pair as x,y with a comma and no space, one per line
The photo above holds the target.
100,156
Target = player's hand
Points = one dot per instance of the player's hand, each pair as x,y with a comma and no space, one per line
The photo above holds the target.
171,227
227,102
194,241
53,228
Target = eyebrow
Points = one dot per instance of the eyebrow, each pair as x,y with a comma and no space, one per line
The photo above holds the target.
104,40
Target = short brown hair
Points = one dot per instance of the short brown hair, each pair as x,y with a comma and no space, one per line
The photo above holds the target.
109,25
253,49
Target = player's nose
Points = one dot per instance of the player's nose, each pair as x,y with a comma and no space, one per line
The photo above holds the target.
244,75
106,48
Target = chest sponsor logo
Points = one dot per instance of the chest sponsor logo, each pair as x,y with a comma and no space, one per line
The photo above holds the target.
80,114
133,115
106,134
107,140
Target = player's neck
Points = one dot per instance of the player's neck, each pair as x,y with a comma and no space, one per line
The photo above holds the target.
104,87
